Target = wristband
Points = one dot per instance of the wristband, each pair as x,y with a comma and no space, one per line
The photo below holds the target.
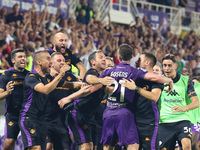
137,89
99,80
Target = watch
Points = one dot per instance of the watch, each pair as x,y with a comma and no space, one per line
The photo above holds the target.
137,89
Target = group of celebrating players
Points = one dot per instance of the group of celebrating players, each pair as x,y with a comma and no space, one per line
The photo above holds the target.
138,108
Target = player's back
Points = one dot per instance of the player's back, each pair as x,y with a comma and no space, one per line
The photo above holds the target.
121,98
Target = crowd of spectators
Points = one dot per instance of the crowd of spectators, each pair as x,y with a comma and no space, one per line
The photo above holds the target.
34,32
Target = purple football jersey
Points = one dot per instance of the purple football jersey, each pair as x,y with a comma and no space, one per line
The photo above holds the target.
121,96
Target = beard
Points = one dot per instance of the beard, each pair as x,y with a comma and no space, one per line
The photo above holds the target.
58,48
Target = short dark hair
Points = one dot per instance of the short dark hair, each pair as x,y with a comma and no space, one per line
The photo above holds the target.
170,56
15,51
2,43
151,57
125,51
93,56
38,56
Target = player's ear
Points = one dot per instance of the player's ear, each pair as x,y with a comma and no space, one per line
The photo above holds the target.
13,61
176,65
92,61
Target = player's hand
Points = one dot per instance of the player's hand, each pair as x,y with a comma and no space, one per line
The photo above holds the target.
63,101
106,80
128,84
85,88
109,89
170,86
63,69
177,108
10,87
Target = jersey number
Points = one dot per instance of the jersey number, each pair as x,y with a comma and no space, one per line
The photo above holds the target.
122,92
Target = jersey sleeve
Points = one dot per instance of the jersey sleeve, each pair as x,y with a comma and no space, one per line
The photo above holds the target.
31,81
74,59
158,86
4,79
103,74
92,72
190,89
140,73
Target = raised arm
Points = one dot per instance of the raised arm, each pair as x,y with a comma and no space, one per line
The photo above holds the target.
159,79
152,95
46,89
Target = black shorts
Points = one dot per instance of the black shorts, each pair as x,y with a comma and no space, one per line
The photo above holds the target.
83,130
59,136
169,133
148,136
12,127
33,133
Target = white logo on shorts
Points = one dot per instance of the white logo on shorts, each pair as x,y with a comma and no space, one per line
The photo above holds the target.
160,142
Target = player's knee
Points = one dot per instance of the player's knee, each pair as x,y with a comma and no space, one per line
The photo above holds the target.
86,146
133,146
9,144
186,144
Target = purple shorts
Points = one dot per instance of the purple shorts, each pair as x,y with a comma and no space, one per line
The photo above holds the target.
119,127
195,127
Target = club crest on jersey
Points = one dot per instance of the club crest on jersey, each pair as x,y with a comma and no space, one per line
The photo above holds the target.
32,131
48,80
66,54
69,78
10,123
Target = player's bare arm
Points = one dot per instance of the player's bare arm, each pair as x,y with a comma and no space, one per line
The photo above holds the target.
9,89
91,79
152,95
82,69
46,89
160,79
191,106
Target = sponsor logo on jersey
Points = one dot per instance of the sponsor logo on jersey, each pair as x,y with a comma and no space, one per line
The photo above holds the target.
173,93
62,88
10,123
32,131
18,83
